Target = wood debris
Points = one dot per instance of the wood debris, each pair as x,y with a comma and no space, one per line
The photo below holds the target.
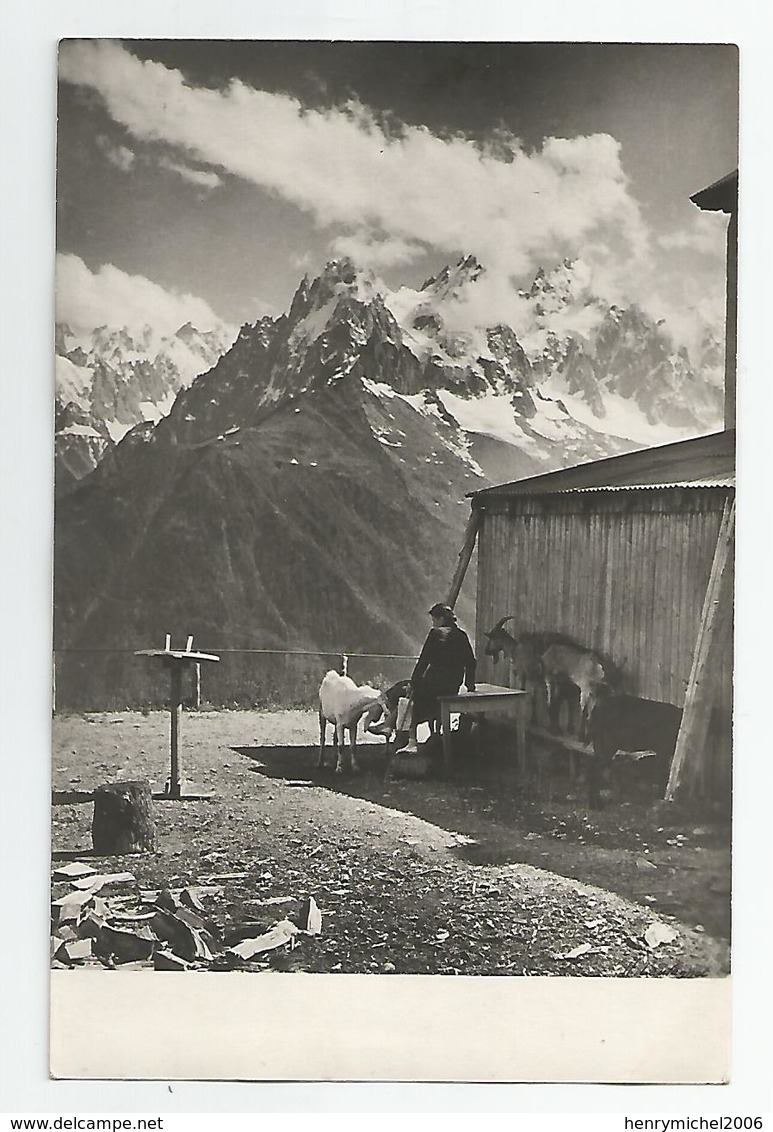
73,870
277,936
100,880
167,929
658,933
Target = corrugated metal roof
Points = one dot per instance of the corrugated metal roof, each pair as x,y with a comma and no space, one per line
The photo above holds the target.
727,481
702,461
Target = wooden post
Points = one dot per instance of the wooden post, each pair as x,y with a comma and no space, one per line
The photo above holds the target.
175,709
521,722
697,705
731,320
197,685
445,727
123,819
465,554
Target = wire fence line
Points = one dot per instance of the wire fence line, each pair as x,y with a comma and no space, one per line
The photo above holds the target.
260,652
102,678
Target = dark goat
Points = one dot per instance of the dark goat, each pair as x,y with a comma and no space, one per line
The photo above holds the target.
523,651
391,699
628,723
387,727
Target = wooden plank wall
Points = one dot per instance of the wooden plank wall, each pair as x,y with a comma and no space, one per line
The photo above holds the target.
623,572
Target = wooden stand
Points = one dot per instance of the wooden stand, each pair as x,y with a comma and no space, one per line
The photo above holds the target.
175,661
123,819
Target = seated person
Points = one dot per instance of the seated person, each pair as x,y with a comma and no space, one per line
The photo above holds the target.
446,660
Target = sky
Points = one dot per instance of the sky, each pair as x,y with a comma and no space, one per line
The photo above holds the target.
200,180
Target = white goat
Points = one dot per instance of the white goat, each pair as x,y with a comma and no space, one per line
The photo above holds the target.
344,704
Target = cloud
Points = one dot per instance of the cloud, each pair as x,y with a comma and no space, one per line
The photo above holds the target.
707,236
120,155
371,251
687,322
199,177
512,207
491,299
125,159
302,260
86,299
393,190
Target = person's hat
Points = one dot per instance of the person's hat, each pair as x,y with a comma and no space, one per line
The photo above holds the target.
440,610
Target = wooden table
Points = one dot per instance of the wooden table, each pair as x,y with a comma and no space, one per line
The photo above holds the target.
176,660
487,699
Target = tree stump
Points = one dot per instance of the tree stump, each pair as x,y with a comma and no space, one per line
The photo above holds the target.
123,819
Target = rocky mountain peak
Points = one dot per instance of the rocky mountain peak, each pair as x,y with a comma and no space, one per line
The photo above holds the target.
121,342
62,338
259,331
342,270
340,279
552,291
451,280
187,332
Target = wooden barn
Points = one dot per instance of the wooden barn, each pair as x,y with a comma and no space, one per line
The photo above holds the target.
631,556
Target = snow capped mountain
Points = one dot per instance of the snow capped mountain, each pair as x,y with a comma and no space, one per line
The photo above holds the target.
74,380
426,388
615,367
125,378
573,395
110,380
588,376
581,379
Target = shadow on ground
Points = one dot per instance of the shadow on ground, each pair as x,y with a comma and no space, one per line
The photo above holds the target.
661,855
62,855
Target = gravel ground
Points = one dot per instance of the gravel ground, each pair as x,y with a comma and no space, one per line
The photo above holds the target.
460,876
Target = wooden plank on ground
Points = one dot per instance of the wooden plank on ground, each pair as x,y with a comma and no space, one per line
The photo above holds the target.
556,739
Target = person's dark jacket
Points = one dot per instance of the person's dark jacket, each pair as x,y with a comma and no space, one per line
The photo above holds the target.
446,659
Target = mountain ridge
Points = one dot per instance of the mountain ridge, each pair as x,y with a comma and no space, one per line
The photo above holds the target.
621,378
309,489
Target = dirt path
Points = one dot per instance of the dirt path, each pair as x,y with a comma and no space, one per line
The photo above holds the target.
455,876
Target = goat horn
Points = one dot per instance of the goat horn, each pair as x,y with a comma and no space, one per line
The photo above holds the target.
500,624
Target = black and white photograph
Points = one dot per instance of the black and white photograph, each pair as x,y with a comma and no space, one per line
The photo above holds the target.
394,526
